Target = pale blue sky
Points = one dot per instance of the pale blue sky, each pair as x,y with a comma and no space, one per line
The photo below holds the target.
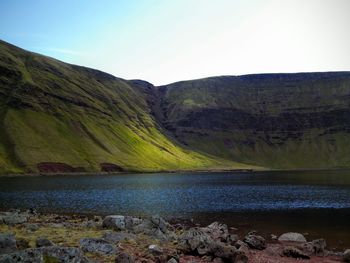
171,40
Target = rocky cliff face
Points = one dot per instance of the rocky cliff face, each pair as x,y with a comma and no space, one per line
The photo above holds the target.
274,120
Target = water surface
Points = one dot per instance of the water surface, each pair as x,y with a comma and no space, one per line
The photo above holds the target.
317,202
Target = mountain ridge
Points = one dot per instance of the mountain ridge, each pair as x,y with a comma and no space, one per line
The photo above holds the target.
59,117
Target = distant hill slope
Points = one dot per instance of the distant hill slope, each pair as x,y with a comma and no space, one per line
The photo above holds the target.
57,117
273,120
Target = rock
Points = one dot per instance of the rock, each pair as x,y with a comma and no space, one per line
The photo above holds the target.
97,245
119,222
255,241
172,260
294,252
274,250
32,227
155,249
124,258
232,239
346,255
13,218
274,237
7,243
156,227
217,231
46,254
43,242
114,237
241,246
292,237
115,222
22,243
197,241
218,260
319,246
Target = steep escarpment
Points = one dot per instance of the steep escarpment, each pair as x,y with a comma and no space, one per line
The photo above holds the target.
57,117
274,120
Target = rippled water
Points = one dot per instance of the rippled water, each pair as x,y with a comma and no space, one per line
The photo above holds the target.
297,199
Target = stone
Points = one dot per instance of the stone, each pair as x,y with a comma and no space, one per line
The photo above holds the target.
292,237
274,237
346,255
32,227
114,237
156,227
97,245
217,231
255,241
232,239
116,222
197,241
43,242
46,254
13,218
172,260
7,243
294,252
124,258
155,249
319,246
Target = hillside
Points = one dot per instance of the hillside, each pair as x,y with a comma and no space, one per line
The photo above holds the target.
273,120
57,117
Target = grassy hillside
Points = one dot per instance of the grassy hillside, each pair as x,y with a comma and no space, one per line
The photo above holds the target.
60,117
272,120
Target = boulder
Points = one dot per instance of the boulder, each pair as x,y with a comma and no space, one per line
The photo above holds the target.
114,237
217,231
124,258
7,243
46,254
13,218
294,252
119,222
43,242
346,255
292,237
97,245
255,241
156,227
315,247
172,260
195,240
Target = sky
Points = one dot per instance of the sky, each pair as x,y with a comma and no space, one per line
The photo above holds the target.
172,40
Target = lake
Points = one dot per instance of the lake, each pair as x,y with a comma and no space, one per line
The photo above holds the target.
316,202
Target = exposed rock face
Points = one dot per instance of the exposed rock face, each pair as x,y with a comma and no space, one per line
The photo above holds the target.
7,243
51,167
292,237
255,241
47,254
110,167
97,245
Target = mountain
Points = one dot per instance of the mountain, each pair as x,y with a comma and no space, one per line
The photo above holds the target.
58,117
274,120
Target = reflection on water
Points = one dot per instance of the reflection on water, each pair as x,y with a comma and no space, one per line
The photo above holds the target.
230,197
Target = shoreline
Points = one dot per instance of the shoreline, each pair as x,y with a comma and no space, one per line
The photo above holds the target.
244,170
137,236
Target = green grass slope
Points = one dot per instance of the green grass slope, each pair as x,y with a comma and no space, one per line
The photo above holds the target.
53,113
274,120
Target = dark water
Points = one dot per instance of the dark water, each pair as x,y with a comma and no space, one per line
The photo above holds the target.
317,202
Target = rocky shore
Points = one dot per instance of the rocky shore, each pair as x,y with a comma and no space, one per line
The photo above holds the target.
27,236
